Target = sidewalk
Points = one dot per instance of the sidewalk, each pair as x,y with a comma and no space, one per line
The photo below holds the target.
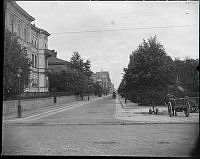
56,106
132,112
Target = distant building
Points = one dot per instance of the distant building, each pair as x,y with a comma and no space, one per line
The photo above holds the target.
112,89
104,79
93,77
34,39
57,65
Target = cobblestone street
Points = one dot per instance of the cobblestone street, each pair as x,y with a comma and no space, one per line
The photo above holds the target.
93,129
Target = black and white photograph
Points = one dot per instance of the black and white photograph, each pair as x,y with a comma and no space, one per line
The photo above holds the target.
100,78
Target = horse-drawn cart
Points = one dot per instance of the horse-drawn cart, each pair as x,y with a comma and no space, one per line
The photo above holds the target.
187,105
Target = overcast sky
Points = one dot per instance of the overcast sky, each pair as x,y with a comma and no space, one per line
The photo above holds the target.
110,50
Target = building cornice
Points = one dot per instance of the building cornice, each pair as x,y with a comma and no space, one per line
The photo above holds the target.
22,11
35,28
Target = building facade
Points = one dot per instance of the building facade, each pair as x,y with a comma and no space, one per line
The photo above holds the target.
103,78
35,42
55,64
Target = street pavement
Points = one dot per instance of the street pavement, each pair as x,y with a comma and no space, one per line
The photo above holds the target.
95,128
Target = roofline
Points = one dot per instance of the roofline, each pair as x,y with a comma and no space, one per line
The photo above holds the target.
44,32
40,30
34,27
56,63
56,60
22,10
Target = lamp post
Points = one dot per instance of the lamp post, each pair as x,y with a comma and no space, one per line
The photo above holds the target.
50,72
19,113
88,90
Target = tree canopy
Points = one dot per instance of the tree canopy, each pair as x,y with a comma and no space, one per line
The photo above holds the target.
77,81
149,72
14,57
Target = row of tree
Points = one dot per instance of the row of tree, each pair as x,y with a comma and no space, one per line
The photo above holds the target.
77,80
151,74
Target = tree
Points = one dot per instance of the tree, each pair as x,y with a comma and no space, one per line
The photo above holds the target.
77,62
187,75
83,73
14,56
149,72
98,90
62,81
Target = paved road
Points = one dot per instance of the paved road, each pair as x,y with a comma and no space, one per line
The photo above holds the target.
91,128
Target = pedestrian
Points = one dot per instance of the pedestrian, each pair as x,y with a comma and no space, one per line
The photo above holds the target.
81,95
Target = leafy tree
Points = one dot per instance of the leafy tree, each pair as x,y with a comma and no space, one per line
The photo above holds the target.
149,72
14,56
77,62
83,73
62,81
87,66
98,90
77,81
187,74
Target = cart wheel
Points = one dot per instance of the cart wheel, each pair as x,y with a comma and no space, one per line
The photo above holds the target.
150,111
187,110
157,110
170,109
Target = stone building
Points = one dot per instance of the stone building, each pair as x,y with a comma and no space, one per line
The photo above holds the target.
57,65
103,78
35,42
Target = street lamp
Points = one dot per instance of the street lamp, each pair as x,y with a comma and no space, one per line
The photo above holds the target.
19,113
50,71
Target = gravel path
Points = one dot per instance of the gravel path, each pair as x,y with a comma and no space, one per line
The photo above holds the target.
132,112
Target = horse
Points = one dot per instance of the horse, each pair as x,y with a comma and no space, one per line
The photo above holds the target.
170,102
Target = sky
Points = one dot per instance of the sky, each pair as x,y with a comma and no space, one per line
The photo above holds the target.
106,32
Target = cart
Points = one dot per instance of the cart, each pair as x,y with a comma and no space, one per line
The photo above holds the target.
187,105
194,104
114,95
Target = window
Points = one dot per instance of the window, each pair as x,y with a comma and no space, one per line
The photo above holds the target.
19,30
24,34
35,41
12,25
33,60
